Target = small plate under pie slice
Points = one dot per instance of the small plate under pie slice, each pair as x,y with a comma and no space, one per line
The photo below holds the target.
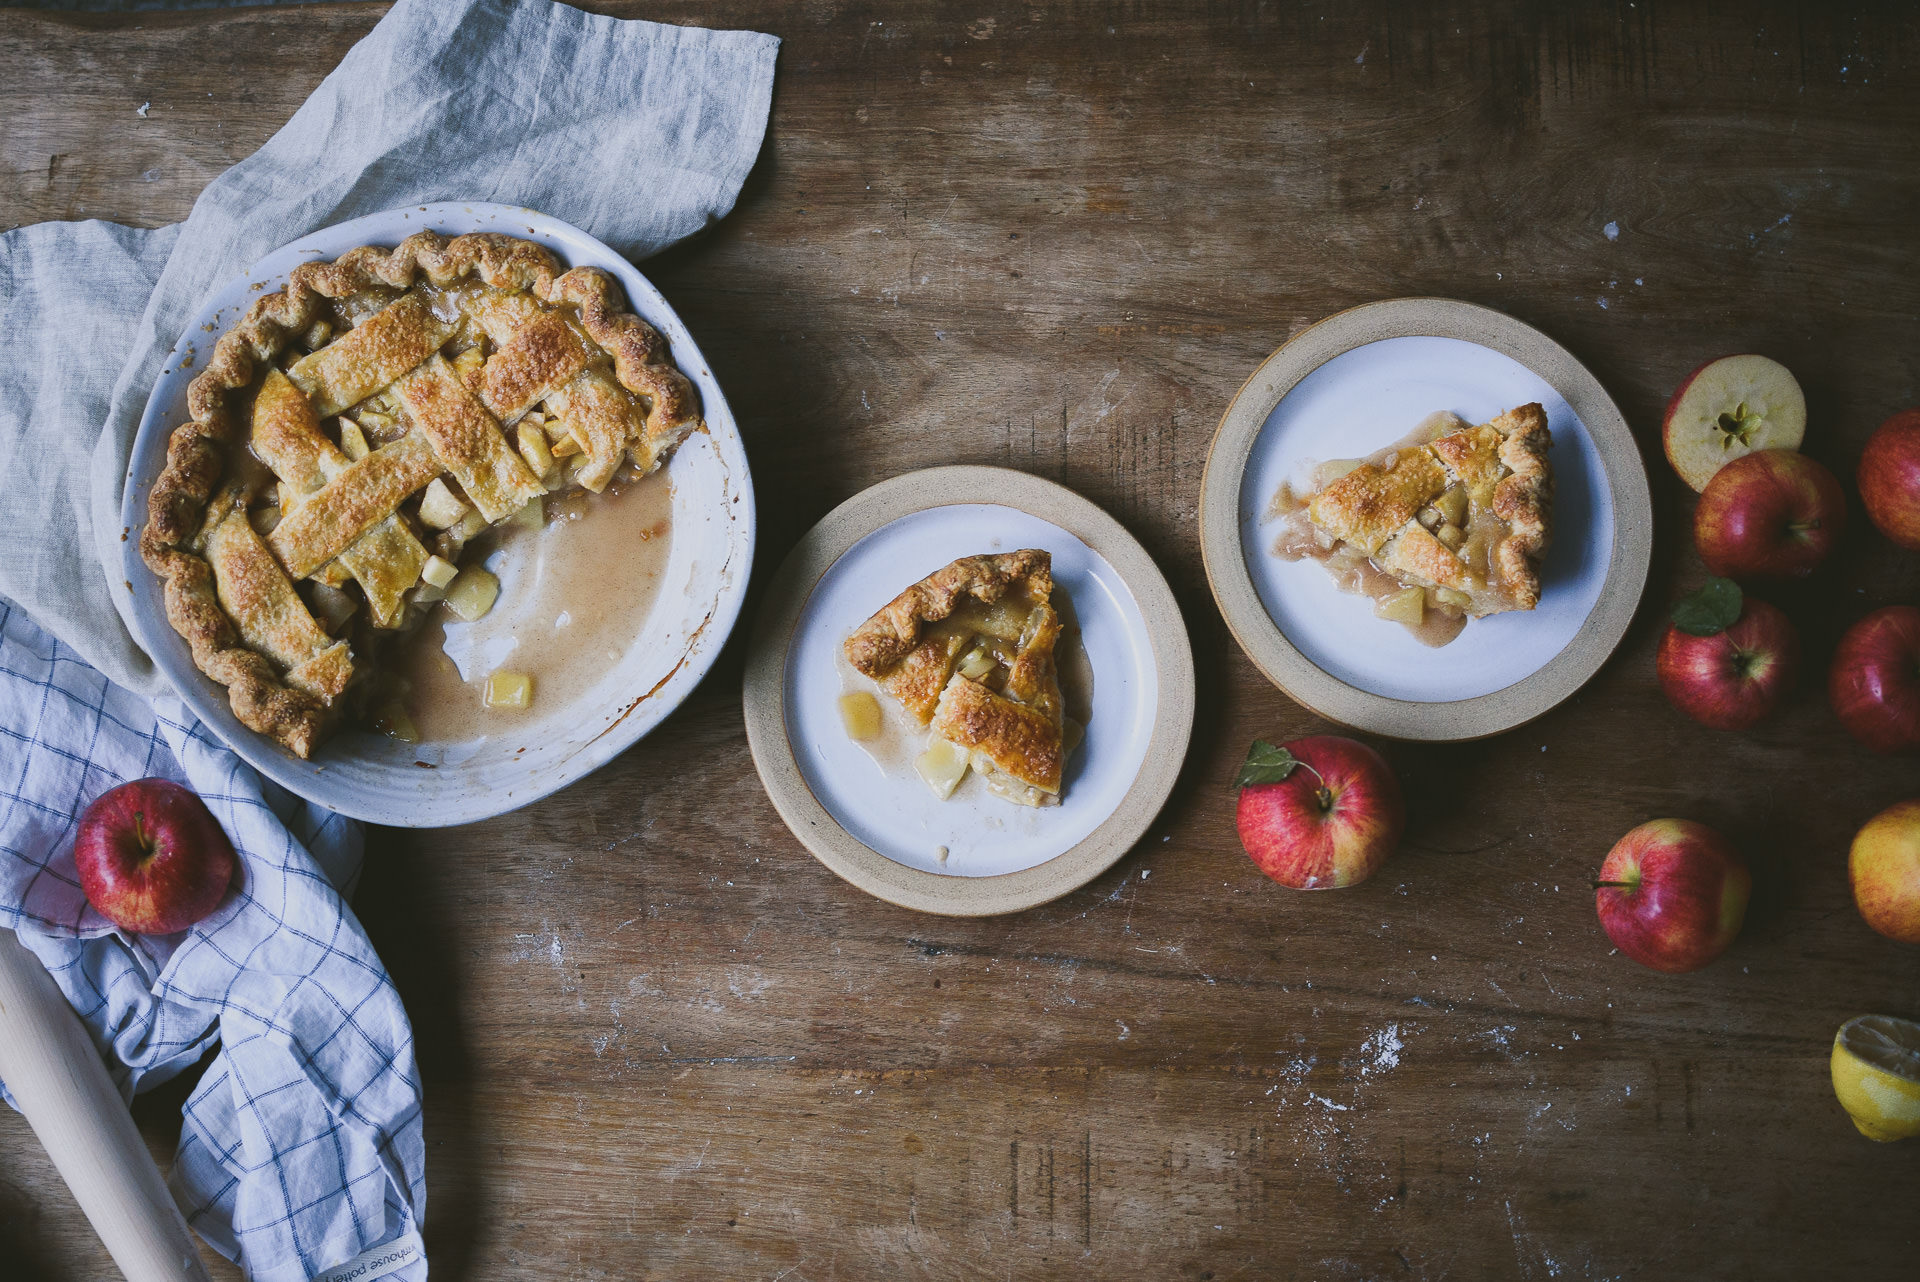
957,604
1341,389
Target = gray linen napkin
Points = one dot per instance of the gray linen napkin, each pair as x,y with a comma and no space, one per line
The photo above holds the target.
638,133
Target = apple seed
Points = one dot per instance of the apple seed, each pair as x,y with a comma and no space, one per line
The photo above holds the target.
1739,424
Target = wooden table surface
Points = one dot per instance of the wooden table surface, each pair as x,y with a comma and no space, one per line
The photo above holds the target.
660,1041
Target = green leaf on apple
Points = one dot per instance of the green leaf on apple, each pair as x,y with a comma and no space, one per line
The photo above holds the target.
1711,610
1265,763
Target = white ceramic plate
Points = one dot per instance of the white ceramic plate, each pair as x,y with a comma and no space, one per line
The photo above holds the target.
1354,383
379,779
878,825
891,810
1358,402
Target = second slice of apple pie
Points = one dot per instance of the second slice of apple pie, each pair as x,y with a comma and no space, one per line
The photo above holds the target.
1454,525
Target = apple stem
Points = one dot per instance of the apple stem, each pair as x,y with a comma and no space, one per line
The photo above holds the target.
1323,794
140,828
1618,885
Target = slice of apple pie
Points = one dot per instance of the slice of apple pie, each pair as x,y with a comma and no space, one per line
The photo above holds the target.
1451,522
968,652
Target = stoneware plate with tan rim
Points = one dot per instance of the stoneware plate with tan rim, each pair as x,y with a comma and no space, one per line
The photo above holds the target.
1354,383
861,808
697,594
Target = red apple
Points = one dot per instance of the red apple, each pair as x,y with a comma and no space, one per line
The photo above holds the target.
1773,514
1884,867
1874,684
1728,675
1672,894
1889,478
1728,408
152,857
1319,813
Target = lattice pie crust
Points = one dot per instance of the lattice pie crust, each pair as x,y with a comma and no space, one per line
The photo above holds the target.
376,414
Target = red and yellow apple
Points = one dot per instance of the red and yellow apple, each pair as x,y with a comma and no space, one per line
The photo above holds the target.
1874,684
1332,816
1774,514
1889,478
1884,867
152,858
1728,408
1731,679
1672,893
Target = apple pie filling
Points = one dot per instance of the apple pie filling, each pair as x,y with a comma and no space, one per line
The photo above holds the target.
553,630
485,591
1441,526
969,662
374,446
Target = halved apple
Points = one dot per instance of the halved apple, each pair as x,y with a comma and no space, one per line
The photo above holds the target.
1729,408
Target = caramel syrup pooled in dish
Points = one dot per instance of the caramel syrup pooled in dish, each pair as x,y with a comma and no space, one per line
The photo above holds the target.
574,596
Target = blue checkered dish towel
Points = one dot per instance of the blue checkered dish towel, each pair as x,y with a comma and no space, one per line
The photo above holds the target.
301,1148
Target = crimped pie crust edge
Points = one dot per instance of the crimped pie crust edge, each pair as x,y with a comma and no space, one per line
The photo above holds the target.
196,450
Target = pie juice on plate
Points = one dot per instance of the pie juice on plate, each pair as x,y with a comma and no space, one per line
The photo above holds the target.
556,624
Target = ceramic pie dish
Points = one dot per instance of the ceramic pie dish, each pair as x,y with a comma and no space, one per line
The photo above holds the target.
454,513
1574,521
999,575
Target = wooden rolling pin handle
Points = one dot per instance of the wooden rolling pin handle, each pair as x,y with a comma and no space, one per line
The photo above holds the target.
48,1061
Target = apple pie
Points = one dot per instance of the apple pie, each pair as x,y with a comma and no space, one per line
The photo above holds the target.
1447,525
968,653
358,430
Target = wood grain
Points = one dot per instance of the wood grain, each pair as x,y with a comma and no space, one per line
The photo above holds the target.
661,1041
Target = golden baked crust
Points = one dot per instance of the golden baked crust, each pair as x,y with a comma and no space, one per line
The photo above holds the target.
1524,498
1016,747
609,380
1372,504
1385,509
895,629
1009,717
917,680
